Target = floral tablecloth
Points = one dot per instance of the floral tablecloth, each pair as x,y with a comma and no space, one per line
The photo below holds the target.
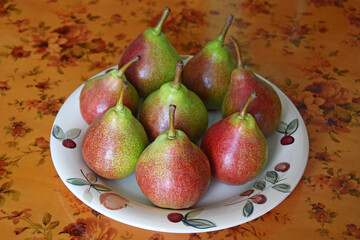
310,49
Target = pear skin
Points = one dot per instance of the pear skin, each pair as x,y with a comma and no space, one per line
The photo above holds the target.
236,148
102,92
158,59
208,72
191,115
266,108
113,142
172,172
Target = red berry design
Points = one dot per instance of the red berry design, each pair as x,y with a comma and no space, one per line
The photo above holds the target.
68,143
258,199
282,167
286,140
175,217
247,193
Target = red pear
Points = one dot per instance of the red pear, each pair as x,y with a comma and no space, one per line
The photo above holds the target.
266,108
173,172
236,147
102,92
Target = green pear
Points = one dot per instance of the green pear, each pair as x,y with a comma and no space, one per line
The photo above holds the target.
172,172
191,114
208,72
114,141
158,59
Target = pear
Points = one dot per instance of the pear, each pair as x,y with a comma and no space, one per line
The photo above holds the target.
208,72
172,172
266,109
191,116
158,59
102,92
236,147
114,141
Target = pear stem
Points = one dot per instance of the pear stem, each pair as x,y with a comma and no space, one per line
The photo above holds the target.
172,133
120,105
122,70
245,107
158,27
176,83
238,52
225,28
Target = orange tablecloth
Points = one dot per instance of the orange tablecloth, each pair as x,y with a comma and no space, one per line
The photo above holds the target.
309,48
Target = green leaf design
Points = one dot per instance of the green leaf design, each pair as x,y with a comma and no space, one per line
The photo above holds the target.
281,128
77,181
58,133
260,185
91,177
282,187
292,127
2,200
46,218
248,208
193,214
101,187
271,176
88,196
73,133
199,223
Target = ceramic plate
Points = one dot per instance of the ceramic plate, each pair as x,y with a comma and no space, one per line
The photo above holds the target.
221,207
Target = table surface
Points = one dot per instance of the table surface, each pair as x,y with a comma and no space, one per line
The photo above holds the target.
309,49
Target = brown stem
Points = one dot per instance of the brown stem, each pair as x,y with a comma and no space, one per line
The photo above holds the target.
225,28
238,52
245,107
177,79
120,105
158,27
172,133
122,70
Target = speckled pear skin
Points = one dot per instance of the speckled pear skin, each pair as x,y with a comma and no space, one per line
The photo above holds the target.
102,92
191,114
173,173
236,149
157,64
113,143
208,73
266,108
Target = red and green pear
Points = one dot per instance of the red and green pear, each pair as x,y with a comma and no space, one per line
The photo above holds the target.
191,115
208,72
114,142
266,108
102,92
158,59
236,147
172,172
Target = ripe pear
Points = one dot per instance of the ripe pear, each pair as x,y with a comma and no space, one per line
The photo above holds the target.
208,72
173,172
266,109
236,147
191,115
114,141
158,59
102,92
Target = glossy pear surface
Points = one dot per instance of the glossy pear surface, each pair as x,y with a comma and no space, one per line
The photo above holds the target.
266,108
157,64
191,114
236,149
173,173
113,143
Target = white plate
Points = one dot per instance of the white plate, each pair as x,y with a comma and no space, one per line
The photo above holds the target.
221,207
